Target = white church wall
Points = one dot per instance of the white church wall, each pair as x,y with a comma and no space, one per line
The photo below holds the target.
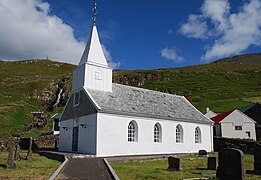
112,139
87,134
236,118
98,77
78,78
65,137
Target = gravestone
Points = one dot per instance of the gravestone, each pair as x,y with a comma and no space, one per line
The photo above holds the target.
29,153
17,151
212,163
257,159
11,153
174,164
202,153
230,164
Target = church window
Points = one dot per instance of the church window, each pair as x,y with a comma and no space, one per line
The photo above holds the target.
179,134
157,133
132,132
76,98
98,74
197,135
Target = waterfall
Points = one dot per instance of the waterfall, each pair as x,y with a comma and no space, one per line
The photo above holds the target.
58,97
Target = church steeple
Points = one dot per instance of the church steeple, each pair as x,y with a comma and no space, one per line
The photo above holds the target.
92,71
93,52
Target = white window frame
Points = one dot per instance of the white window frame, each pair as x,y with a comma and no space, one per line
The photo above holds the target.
76,102
179,134
157,133
132,132
197,135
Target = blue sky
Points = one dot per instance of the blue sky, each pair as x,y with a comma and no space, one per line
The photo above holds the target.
136,34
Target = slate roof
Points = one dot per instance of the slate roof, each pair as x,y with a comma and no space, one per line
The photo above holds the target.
147,103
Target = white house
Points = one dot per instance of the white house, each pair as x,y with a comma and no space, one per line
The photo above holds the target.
210,113
107,119
234,124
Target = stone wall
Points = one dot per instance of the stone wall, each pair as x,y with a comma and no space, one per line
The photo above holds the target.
247,146
48,141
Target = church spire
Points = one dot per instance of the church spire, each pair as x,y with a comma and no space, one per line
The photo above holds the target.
94,13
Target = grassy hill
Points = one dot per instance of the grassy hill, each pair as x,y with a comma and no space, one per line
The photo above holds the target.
32,85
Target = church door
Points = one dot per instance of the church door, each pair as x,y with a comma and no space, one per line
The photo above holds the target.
75,139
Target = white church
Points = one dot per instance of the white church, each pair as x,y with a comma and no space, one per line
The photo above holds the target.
102,118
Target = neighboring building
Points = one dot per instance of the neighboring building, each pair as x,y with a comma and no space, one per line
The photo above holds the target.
107,119
56,123
234,124
254,111
210,113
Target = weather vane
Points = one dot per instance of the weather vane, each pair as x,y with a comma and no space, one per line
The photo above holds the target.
94,12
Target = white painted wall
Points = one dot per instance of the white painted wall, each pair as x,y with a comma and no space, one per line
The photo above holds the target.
86,137
87,134
93,80
237,118
210,114
78,77
65,137
112,136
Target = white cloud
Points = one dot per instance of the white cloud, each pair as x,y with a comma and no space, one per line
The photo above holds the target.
111,63
170,53
196,27
228,33
28,31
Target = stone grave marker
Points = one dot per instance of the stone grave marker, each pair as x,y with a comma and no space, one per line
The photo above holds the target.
230,164
174,164
202,153
257,159
29,153
11,153
212,163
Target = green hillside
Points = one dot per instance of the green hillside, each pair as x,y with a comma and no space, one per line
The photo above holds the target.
32,86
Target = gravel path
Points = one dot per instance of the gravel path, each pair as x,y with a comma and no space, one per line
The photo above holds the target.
85,168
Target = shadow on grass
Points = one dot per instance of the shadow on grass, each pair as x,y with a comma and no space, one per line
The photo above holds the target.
3,165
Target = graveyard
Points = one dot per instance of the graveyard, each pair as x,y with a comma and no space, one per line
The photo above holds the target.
39,167
192,166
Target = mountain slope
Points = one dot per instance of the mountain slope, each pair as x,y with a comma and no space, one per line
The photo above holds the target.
33,85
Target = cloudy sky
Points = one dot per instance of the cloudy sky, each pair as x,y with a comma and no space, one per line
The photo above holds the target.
136,34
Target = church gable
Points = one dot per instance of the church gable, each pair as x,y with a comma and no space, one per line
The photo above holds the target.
78,105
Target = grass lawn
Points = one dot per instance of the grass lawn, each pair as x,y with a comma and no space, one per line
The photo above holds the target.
192,167
39,167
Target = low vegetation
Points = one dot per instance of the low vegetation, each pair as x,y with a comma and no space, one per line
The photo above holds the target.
192,167
31,85
38,168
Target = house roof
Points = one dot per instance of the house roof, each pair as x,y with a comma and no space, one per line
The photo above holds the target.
56,116
221,116
245,108
142,102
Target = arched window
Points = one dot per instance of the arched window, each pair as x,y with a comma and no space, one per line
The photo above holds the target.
157,132
179,134
197,135
132,132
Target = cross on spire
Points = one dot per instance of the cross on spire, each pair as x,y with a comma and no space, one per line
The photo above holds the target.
94,13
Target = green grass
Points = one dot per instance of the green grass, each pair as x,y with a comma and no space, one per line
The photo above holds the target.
38,168
27,86
192,167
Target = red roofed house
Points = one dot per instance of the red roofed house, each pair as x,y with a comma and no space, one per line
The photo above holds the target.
234,124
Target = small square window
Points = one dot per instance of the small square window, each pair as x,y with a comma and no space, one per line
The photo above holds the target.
76,98
238,128
248,134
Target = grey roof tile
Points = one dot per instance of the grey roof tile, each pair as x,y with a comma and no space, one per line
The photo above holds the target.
142,102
